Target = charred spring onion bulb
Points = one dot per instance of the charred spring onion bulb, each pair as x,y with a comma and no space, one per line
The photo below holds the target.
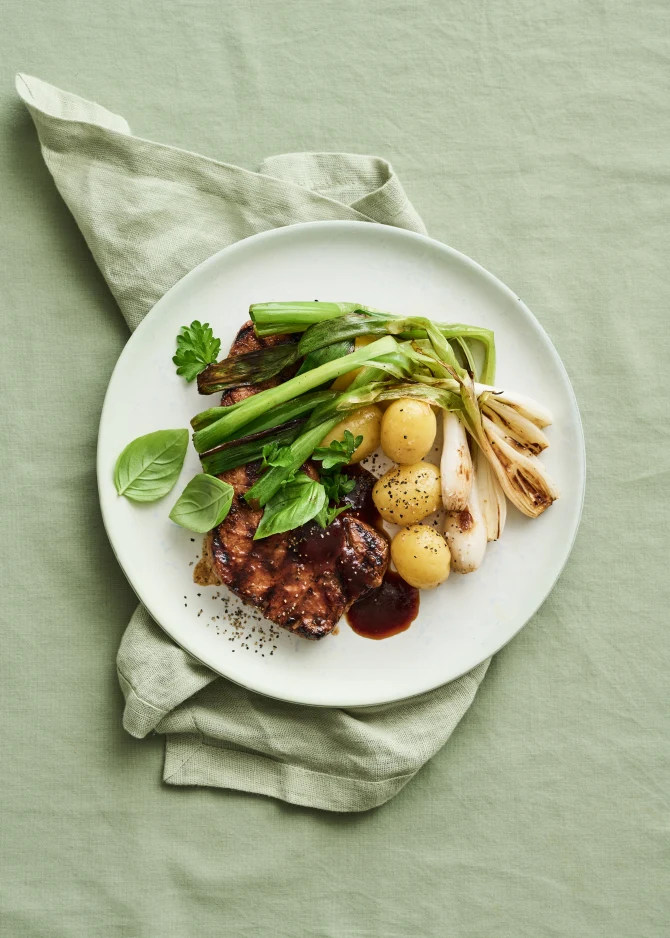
492,437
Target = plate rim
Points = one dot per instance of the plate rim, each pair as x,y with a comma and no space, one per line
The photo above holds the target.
344,225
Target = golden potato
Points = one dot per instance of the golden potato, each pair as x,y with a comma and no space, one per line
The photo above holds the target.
408,430
365,422
421,556
407,494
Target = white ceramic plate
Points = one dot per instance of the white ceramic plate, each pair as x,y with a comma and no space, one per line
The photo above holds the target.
459,624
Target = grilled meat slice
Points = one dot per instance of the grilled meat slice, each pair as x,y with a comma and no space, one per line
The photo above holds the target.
306,579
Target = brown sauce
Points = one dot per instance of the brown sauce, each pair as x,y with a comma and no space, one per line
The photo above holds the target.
386,611
360,498
323,545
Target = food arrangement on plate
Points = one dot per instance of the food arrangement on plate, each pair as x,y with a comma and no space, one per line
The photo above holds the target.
294,524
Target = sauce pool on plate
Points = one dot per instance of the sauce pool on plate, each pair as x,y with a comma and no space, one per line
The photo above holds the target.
385,611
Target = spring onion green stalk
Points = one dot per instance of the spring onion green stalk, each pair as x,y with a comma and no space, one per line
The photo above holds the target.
397,365
282,318
273,418
253,407
455,464
322,342
378,391
463,335
276,318
467,355
343,403
344,328
327,354
248,449
425,361
249,368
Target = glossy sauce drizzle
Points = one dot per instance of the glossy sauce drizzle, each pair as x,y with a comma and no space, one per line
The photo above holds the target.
386,611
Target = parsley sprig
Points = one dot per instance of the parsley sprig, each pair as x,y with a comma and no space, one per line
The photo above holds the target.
339,452
197,347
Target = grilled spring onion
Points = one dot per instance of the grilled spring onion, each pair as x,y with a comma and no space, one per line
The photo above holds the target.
248,368
249,448
491,497
282,318
532,488
517,429
455,464
525,406
330,338
466,533
327,354
239,415
522,478
433,360
273,418
322,342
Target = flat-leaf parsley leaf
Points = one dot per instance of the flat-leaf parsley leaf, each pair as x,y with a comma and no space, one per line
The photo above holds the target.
197,347
339,452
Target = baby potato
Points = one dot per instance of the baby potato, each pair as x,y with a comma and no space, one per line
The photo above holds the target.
365,422
421,556
408,430
407,494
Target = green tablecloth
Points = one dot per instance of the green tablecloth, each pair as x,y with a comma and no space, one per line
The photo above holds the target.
532,136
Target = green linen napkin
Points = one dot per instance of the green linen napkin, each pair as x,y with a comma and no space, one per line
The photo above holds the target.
150,213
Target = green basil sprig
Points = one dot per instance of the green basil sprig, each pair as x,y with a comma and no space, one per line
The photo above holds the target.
296,503
203,504
148,468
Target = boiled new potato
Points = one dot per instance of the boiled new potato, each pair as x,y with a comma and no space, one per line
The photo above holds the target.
365,422
407,494
408,430
421,556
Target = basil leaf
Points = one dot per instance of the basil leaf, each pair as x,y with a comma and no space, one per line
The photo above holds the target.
296,503
148,467
328,514
276,455
203,504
